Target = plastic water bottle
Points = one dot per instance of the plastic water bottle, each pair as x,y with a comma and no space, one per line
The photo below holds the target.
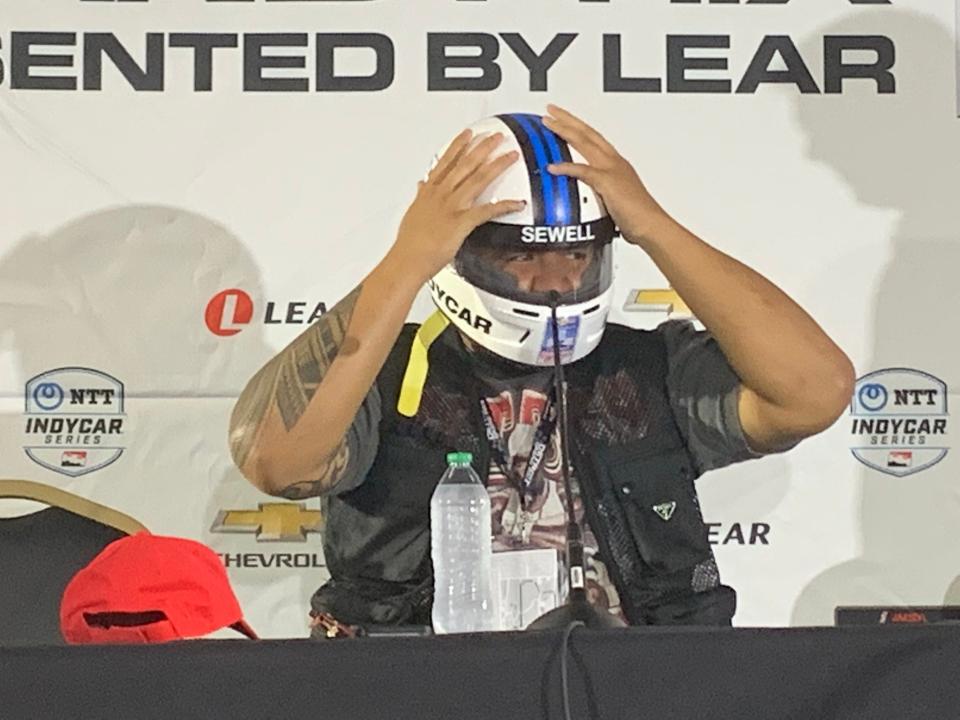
461,550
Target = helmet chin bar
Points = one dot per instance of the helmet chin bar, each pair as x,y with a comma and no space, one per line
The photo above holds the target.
514,330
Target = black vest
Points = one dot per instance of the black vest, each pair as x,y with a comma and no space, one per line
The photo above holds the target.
628,457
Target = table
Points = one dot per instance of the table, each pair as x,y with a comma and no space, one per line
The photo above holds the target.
804,673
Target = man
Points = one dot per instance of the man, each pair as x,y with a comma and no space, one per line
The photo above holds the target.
362,409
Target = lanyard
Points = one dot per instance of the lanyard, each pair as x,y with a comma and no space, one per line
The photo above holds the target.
541,439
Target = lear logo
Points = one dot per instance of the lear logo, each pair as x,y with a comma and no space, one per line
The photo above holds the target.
271,522
660,301
899,420
74,420
738,533
230,311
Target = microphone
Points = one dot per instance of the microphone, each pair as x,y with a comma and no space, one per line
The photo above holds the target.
577,607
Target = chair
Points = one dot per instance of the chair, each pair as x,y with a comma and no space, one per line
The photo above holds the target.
40,552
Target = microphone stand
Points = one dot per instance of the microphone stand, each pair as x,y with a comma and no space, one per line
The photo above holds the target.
577,608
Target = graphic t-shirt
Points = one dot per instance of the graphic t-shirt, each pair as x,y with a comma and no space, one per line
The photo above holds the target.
516,409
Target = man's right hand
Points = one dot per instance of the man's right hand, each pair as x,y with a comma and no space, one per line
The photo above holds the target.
443,212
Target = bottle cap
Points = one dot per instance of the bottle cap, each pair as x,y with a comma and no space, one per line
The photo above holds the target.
459,458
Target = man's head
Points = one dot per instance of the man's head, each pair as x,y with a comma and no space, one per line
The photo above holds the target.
499,289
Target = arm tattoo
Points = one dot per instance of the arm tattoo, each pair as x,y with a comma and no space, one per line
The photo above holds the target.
333,467
250,410
305,362
291,378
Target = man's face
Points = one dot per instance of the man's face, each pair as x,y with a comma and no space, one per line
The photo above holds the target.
545,270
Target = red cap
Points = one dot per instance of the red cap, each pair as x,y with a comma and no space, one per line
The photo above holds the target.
149,588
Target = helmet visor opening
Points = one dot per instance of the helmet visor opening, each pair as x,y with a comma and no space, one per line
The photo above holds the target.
523,264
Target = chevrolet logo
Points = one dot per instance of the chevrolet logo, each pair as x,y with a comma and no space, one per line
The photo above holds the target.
666,301
273,522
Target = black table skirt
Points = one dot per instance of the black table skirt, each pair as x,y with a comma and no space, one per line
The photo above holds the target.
657,673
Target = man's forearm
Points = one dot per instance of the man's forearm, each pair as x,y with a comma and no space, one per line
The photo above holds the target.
775,347
287,431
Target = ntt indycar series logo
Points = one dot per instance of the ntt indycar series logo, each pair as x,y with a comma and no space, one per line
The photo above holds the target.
74,420
899,420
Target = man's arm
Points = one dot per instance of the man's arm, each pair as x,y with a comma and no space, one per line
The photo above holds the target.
288,430
795,380
704,392
282,441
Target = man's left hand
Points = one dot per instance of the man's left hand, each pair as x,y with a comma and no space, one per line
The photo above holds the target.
610,174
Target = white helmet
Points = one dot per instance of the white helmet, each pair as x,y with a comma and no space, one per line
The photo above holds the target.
484,301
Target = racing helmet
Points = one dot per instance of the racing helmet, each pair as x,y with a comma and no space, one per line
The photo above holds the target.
556,251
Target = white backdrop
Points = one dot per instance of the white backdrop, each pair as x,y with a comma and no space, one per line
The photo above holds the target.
126,211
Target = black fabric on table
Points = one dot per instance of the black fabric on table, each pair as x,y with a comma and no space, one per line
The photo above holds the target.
658,673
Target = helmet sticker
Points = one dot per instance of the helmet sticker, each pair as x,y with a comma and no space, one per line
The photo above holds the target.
567,330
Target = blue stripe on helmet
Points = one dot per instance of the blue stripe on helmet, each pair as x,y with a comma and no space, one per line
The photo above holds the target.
542,161
563,191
